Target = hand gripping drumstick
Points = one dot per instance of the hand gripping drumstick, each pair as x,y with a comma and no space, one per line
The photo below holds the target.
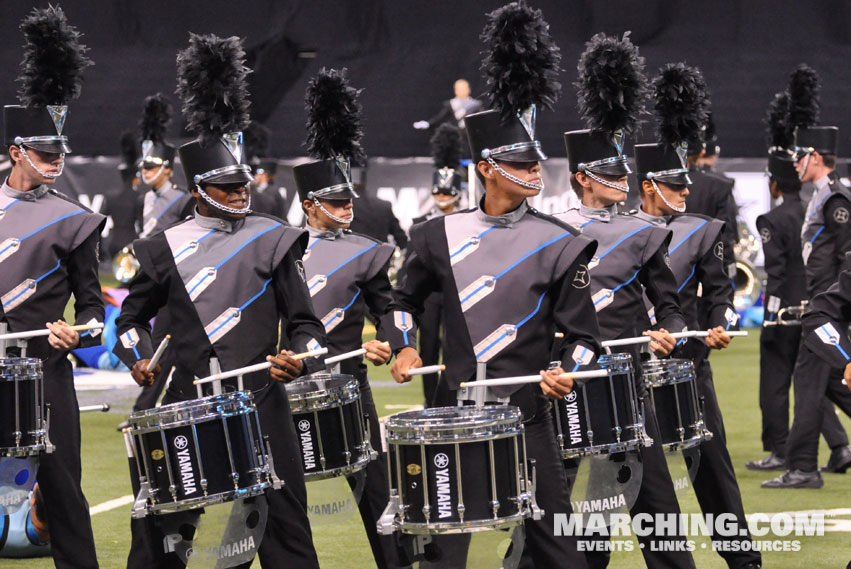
256,367
520,379
347,355
426,370
152,363
46,332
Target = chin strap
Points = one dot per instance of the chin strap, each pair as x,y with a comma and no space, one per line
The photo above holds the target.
224,208
39,170
444,204
608,184
804,170
148,181
664,199
332,216
515,179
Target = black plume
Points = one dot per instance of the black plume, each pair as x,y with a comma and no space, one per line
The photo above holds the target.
156,116
521,64
804,91
211,82
129,147
681,104
612,86
54,59
777,119
333,117
255,141
709,132
446,146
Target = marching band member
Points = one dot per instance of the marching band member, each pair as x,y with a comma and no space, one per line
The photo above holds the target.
234,279
49,251
510,275
346,272
632,253
697,260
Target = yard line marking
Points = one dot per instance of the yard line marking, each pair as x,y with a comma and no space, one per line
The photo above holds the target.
112,504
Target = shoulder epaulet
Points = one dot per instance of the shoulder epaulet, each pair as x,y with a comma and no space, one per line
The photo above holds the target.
68,199
362,236
554,221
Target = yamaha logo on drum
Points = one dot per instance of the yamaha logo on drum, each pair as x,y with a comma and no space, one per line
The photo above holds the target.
570,397
441,460
184,464
180,442
304,425
444,492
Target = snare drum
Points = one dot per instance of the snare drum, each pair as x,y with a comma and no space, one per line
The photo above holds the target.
197,453
330,425
23,419
457,470
672,385
602,415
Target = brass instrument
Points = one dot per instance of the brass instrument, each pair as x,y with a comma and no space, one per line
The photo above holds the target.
747,281
125,266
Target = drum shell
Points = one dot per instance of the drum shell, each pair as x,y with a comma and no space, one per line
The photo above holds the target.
20,390
673,390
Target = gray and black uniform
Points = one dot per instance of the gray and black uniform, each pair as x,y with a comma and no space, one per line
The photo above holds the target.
786,285
49,251
825,240
632,255
347,276
233,283
509,282
696,255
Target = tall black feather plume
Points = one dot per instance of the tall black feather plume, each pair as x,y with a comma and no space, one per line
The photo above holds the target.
521,64
709,131
612,87
333,117
255,141
211,82
446,146
804,91
777,120
156,116
681,104
54,59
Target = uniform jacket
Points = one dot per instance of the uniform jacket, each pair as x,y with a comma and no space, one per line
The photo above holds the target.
825,324
711,194
164,207
826,233
780,231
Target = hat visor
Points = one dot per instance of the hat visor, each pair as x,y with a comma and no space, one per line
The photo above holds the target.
343,194
229,178
524,155
616,169
680,179
54,147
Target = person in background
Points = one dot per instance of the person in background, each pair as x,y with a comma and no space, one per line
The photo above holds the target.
454,110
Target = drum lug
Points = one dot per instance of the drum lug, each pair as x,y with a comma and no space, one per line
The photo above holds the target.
140,505
389,518
204,485
272,476
494,508
537,513
48,446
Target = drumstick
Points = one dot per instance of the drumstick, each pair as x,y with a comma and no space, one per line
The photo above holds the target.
347,355
46,332
103,408
152,363
676,335
256,367
533,378
426,370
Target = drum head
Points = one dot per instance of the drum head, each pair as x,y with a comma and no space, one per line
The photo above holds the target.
216,537
491,549
604,484
321,390
17,478
453,424
334,500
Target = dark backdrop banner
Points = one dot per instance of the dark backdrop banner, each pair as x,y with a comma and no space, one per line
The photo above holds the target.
406,55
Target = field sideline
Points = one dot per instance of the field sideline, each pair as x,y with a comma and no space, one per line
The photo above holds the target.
105,477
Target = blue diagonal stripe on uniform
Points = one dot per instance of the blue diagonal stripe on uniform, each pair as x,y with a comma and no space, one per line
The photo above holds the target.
185,249
346,307
620,286
168,205
38,280
243,307
469,242
684,239
130,338
45,226
589,222
817,234
516,326
621,240
16,200
346,262
836,343
688,278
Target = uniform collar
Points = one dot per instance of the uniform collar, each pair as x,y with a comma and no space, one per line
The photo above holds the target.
163,189
504,220
29,195
823,182
320,234
660,220
217,223
600,214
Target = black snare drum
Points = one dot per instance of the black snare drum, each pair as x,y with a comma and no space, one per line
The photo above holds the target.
672,385
23,418
457,470
601,415
330,425
197,453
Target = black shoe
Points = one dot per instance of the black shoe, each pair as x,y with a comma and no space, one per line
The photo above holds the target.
754,565
795,479
123,425
839,461
770,462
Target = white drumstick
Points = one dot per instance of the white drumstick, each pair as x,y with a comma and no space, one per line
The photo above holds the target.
46,332
256,367
426,370
103,408
347,355
152,363
520,379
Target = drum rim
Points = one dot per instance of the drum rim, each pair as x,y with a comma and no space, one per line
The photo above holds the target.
626,445
508,424
24,369
467,526
156,508
146,420
672,371
356,466
21,451
319,400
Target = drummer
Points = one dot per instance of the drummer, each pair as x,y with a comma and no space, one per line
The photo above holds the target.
697,261
48,251
346,274
511,276
632,253
235,280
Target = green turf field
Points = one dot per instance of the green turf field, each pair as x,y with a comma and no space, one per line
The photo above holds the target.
105,477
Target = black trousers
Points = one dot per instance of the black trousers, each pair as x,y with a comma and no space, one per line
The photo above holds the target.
778,350
71,540
287,540
814,380
715,482
430,342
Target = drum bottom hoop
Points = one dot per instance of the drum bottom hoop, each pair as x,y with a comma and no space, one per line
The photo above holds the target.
204,501
690,442
473,526
18,452
614,448
347,470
